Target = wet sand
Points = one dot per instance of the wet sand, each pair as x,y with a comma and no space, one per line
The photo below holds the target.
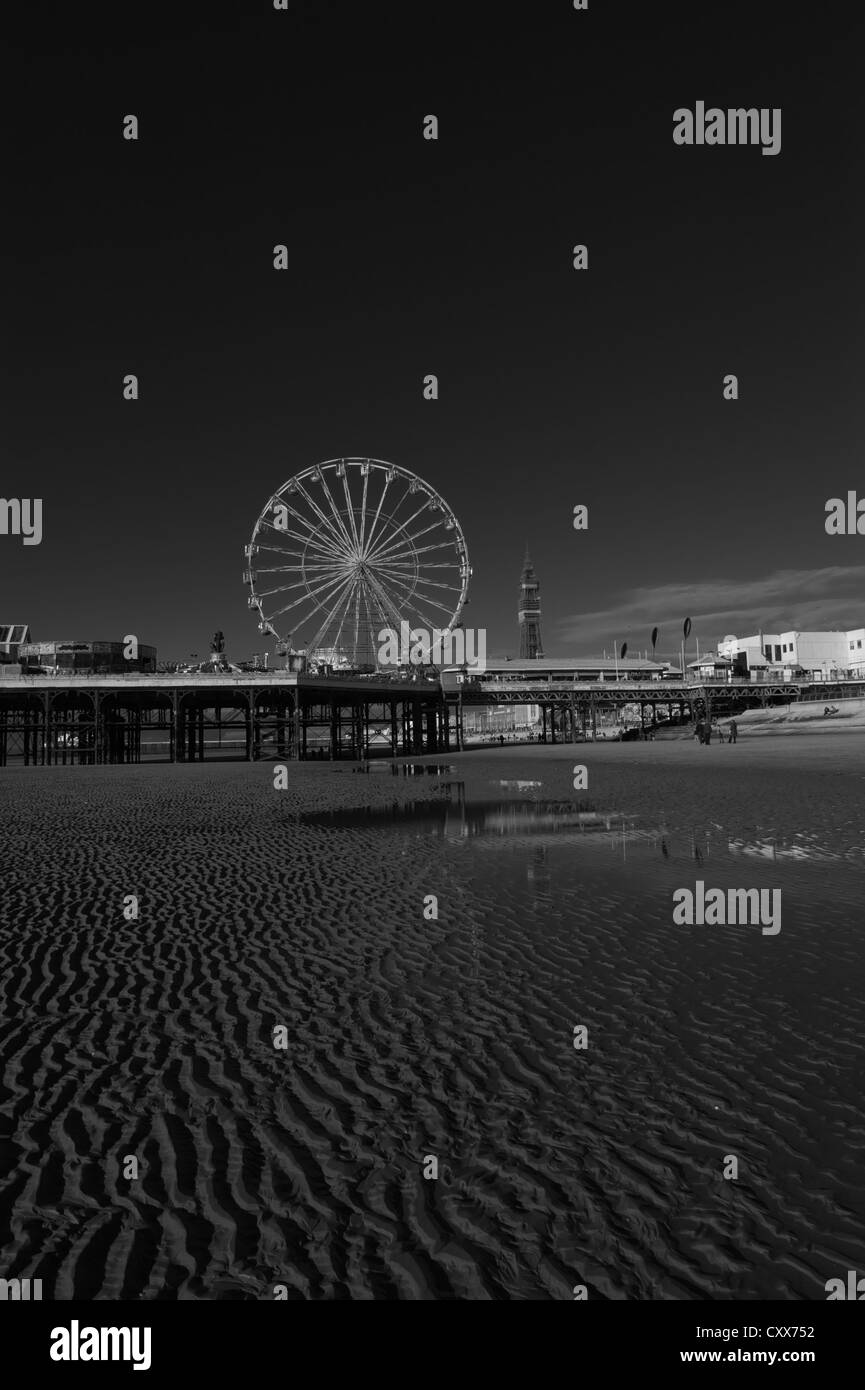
450,1038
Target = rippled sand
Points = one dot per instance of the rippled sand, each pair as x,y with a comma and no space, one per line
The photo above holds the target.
451,1037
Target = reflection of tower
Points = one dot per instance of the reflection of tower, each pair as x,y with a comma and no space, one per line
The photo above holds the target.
529,613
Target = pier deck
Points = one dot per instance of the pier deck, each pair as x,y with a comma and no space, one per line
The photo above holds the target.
47,719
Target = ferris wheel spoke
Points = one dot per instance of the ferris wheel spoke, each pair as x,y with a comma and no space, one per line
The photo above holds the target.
421,598
399,602
337,515
406,567
357,614
295,569
377,514
366,593
305,521
410,541
391,540
420,582
371,625
363,509
389,516
326,521
311,541
312,623
323,541
430,564
390,609
350,509
301,584
413,549
311,594
318,556
323,634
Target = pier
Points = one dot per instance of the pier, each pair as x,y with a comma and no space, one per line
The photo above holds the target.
47,720
570,708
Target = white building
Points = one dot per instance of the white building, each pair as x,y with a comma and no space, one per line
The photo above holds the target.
856,651
832,655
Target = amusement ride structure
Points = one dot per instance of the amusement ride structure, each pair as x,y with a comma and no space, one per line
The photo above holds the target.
348,548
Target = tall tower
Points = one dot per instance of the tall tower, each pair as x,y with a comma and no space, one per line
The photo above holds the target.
529,613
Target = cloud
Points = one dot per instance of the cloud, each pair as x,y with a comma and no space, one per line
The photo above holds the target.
787,600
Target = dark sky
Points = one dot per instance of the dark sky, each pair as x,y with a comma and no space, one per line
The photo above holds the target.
410,257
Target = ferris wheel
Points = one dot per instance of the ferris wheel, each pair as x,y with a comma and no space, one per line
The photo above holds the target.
349,547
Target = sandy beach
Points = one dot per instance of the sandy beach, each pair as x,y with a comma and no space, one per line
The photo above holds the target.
411,1037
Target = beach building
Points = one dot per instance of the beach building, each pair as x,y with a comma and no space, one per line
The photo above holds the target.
711,668
856,652
11,637
828,655
84,658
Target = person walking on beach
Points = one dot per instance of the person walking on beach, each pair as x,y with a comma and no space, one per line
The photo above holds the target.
733,731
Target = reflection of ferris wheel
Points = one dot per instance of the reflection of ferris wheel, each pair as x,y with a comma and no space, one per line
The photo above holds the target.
348,548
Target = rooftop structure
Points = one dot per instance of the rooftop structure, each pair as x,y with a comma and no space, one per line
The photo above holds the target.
11,637
565,668
98,658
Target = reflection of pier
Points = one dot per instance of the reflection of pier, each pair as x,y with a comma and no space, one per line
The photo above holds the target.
451,815
130,719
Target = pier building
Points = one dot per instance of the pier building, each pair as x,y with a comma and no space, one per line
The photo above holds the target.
96,658
11,637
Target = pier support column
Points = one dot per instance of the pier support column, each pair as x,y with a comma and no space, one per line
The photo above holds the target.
248,726
406,727
416,726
